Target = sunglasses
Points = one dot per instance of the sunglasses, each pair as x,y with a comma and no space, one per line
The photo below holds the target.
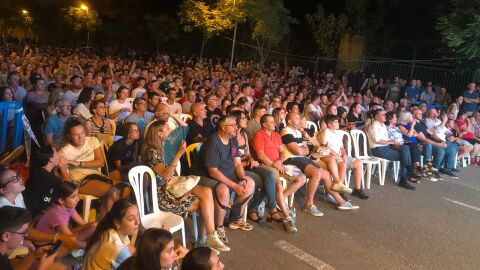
13,179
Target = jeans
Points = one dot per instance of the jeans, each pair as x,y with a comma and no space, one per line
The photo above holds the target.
441,155
402,155
266,190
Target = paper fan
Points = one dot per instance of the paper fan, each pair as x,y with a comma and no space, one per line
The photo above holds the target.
172,143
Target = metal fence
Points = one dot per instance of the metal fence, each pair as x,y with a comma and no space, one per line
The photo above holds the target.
454,79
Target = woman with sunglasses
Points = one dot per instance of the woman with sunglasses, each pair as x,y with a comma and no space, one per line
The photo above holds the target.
98,123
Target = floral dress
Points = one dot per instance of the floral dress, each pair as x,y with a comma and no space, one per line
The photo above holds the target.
166,201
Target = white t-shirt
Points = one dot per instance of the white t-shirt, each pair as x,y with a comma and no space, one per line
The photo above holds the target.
312,108
116,106
175,108
72,96
334,140
83,111
84,153
18,201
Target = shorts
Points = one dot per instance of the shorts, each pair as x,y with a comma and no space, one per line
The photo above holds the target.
348,163
301,162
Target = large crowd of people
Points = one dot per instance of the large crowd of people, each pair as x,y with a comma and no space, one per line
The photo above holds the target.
261,134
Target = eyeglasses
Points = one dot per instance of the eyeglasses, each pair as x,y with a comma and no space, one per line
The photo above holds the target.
25,234
13,179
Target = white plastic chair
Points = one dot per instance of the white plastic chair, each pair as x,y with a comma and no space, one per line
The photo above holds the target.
364,157
87,205
158,218
348,149
185,117
311,124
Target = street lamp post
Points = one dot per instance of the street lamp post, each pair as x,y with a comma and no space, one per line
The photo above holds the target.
85,8
233,43
27,20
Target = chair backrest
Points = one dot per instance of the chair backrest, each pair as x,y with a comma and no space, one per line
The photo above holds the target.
106,144
190,148
185,117
114,126
136,177
359,141
311,124
348,148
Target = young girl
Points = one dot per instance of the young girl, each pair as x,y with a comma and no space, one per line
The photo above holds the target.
57,217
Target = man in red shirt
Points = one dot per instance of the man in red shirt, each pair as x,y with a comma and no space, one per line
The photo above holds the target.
270,152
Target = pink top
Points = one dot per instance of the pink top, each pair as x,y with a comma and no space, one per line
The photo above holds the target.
55,216
466,135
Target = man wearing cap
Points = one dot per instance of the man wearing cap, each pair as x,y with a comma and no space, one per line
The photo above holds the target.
75,89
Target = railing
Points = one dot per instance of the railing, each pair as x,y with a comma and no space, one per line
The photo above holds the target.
6,108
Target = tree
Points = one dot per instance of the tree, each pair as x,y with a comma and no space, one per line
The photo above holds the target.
270,22
79,19
161,28
460,28
327,30
211,19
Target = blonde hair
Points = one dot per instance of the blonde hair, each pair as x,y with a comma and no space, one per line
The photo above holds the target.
152,140
403,117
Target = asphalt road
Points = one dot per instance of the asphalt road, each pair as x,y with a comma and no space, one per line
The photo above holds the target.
437,226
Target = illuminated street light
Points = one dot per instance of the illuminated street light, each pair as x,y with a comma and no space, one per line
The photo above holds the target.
84,7
24,12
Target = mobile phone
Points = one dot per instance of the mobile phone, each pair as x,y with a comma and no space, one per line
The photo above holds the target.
54,248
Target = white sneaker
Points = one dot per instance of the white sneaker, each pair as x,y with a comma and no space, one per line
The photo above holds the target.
348,206
340,187
214,242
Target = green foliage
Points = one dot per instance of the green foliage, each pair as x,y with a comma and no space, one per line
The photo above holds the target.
79,19
460,28
211,19
162,27
327,30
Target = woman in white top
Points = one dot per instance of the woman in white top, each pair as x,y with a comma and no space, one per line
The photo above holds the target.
109,245
84,160
384,147
84,100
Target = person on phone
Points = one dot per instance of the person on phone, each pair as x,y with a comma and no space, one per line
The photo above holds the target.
14,225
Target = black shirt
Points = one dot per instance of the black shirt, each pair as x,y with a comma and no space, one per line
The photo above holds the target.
5,263
215,154
359,122
127,154
214,115
39,189
194,129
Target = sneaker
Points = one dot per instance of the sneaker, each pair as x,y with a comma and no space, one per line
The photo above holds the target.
348,206
293,214
449,173
430,177
455,170
213,241
340,187
360,194
437,176
222,234
289,226
313,210
240,224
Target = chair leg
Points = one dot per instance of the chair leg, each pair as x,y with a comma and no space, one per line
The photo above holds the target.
369,174
384,165
195,226
183,234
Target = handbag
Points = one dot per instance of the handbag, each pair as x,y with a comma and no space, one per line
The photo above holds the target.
320,152
181,185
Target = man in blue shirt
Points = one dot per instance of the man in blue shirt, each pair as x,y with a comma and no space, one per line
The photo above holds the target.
54,124
412,92
471,99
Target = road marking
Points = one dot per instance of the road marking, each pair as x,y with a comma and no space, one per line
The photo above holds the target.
463,204
302,255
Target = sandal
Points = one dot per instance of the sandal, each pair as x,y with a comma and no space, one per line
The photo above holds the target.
270,217
253,216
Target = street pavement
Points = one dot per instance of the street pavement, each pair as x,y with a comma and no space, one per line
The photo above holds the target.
436,226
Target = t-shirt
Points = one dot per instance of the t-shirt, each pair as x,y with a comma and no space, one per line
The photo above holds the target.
123,152
5,263
108,253
140,121
214,115
82,111
116,106
83,153
39,190
54,125
412,92
138,92
72,96
55,216
20,94
218,155
175,108
312,108
252,127
194,129
18,201
334,140
359,122
268,144
470,106
393,93
290,135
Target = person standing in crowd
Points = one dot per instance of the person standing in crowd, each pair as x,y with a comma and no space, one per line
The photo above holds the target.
471,98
